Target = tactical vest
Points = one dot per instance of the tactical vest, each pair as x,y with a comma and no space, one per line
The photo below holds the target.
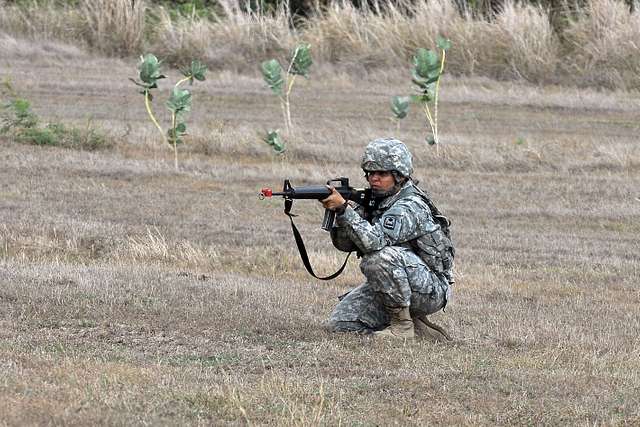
435,248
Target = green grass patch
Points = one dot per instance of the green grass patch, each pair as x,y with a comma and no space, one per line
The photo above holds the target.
59,135
20,123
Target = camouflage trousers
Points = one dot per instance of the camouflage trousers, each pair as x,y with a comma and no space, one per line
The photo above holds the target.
396,277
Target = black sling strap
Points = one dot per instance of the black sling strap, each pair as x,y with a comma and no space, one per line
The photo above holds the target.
303,251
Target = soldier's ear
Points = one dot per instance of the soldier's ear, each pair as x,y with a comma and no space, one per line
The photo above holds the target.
398,177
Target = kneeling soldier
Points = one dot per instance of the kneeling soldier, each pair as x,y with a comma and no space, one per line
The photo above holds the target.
407,255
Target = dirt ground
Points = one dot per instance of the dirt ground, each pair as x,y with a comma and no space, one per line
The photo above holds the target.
131,293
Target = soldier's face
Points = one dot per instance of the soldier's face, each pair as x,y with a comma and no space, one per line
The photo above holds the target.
381,181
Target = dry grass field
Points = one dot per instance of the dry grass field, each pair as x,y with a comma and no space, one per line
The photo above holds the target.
134,294
586,43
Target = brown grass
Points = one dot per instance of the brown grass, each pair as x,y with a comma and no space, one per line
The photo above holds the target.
37,20
606,41
134,294
527,42
111,27
114,27
595,46
228,43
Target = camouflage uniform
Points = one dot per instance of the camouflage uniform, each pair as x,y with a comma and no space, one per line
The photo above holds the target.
398,244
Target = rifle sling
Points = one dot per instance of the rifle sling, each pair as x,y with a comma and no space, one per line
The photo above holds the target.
303,250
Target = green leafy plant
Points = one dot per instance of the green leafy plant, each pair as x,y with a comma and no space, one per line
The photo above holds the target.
179,102
400,108
281,82
20,122
18,114
59,135
274,139
426,73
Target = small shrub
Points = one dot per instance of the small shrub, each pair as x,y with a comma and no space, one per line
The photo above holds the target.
428,67
21,123
274,140
42,136
59,135
18,114
179,102
272,72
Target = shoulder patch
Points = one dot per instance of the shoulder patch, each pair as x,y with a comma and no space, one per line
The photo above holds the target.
389,223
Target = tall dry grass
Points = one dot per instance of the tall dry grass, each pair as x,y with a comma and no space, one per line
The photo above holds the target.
236,42
39,20
526,43
518,43
114,27
344,34
599,45
604,45
111,27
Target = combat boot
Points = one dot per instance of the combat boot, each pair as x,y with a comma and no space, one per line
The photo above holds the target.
427,330
401,325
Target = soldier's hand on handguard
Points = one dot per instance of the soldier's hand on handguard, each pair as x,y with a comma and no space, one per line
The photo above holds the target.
335,201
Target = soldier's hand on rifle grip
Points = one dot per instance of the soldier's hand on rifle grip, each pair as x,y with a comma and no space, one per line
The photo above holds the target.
334,201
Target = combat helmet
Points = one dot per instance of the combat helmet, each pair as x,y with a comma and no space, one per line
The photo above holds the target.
387,154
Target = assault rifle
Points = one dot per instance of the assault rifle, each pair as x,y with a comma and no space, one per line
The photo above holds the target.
319,192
